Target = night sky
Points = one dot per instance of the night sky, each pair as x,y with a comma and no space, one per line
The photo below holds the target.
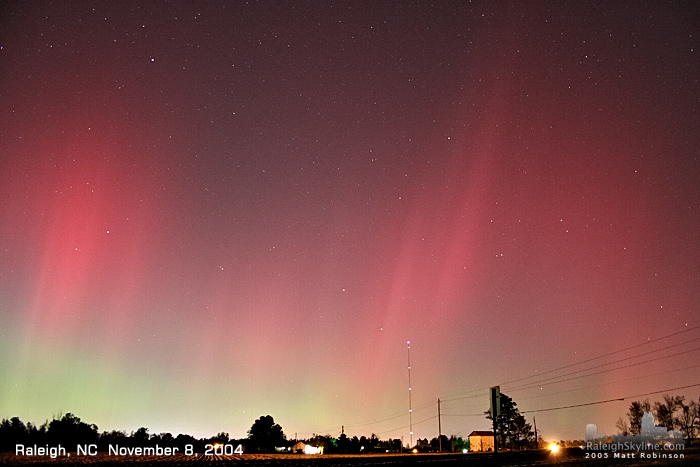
215,211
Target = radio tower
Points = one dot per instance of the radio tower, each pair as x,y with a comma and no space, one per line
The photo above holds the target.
410,407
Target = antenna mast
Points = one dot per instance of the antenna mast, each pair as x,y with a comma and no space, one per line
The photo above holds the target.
410,407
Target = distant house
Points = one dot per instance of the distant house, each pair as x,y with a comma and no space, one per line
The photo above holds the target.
481,441
298,448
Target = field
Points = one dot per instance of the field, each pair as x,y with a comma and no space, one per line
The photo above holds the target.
570,457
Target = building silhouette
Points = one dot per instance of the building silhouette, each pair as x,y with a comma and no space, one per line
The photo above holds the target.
592,433
649,434
657,433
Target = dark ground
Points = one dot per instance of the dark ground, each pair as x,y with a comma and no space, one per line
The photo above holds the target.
568,457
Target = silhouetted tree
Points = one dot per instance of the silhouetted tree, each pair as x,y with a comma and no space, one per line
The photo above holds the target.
541,443
37,434
221,437
354,444
664,411
182,440
69,431
265,434
113,437
394,445
622,425
422,445
363,444
457,444
513,431
163,439
521,432
635,413
343,444
689,419
435,444
141,437
12,431
326,442
374,444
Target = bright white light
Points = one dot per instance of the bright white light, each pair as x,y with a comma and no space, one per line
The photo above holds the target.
312,449
554,448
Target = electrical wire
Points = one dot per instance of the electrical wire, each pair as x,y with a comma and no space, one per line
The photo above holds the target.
604,355
540,384
479,393
613,362
645,375
618,399
475,393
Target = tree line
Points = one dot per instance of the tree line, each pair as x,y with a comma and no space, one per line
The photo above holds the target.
513,432
69,431
673,413
264,436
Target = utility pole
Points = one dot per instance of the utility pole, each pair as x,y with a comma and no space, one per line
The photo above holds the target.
439,428
495,412
537,443
495,437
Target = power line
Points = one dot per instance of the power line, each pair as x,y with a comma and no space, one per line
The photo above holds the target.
613,362
479,393
639,376
406,426
464,414
542,383
475,393
603,356
619,399
607,401
381,420
375,422
557,379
